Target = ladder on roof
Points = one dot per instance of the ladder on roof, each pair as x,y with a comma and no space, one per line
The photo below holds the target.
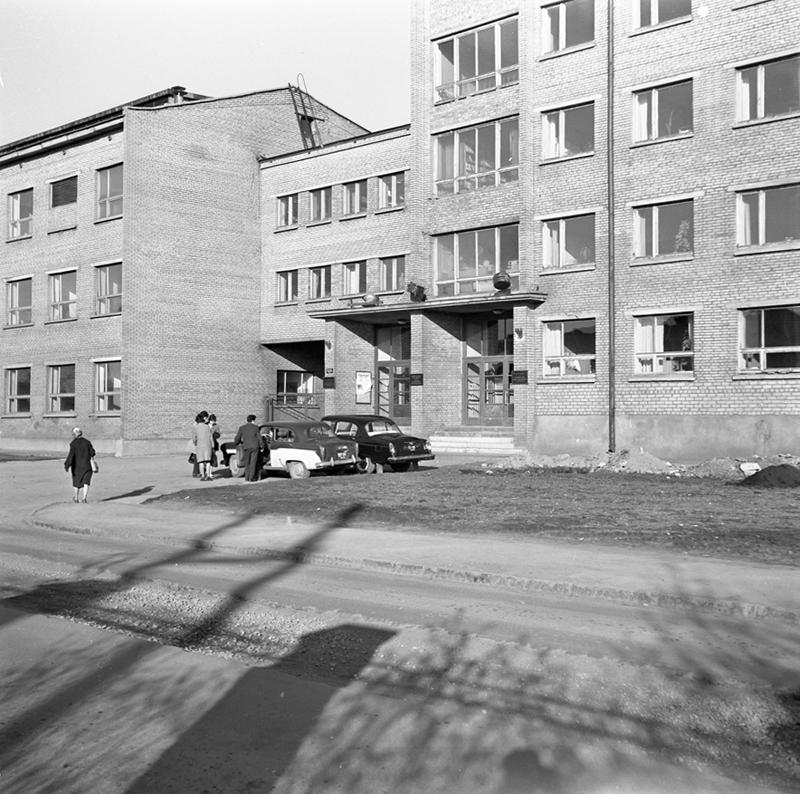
303,110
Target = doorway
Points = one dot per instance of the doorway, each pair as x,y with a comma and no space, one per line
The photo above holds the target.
488,364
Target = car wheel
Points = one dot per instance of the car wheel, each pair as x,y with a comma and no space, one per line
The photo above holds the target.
401,467
365,466
233,463
298,470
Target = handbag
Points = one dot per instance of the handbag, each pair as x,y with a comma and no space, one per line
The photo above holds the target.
95,466
192,458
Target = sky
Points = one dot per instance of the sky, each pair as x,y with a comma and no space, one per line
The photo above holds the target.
62,60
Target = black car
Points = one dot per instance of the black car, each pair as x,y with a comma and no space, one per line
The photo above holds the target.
380,441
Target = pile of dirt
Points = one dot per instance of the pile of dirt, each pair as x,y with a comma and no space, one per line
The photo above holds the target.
639,462
784,475
719,468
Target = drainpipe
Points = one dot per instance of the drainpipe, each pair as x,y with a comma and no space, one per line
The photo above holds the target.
612,315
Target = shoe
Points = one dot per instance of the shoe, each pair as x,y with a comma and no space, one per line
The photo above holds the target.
74,498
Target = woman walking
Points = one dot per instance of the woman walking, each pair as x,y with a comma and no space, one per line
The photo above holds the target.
201,436
79,463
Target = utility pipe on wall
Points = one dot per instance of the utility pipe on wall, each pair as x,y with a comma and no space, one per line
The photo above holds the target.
612,316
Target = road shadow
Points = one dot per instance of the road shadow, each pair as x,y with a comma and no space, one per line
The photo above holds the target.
137,492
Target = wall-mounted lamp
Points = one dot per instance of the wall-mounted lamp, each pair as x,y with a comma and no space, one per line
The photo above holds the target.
328,344
416,291
519,332
370,299
501,280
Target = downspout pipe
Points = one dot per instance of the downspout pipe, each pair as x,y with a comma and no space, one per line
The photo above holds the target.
612,311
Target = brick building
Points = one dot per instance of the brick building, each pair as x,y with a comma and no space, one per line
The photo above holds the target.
130,267
586,238
602,206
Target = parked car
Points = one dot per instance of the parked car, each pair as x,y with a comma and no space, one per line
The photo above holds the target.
380,441
297,448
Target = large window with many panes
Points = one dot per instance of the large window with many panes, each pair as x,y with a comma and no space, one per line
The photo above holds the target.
569,348
477,60
20,214
63,295
768,216
108,386
109,192
477,157
567,24
19,297
769,339
466,262
61,388
664,344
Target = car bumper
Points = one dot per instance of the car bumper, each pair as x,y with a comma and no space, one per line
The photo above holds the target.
409,458
332,464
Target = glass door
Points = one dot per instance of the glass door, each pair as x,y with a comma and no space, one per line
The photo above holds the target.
488,364
393,372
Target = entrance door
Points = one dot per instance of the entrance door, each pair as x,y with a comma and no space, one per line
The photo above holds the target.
393,372
488,364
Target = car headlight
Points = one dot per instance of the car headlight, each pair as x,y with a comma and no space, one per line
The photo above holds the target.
427,446
392,450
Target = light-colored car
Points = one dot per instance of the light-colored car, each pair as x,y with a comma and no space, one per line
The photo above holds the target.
297,448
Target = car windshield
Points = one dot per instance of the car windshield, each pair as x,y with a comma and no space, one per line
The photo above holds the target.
320,431
381,427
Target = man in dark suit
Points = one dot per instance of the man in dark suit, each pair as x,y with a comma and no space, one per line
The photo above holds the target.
252,446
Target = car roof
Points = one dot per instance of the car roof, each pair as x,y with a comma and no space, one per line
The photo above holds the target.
357,417
294,424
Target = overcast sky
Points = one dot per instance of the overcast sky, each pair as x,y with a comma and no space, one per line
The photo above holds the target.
61,60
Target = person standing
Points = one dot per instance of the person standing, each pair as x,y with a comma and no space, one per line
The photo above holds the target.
215,434
201,436
252,445
203,416
79,464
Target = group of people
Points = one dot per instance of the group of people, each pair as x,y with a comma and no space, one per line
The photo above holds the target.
205,445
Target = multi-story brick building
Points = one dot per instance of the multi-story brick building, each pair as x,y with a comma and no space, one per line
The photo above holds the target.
131,263
603,209
586,238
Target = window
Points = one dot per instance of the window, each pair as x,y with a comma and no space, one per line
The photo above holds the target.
109,192
568,24
18,390
19,294
662,112
654,12
771,215
295,387
355,277
569,348
61,388
769,339
393,272
319,282
477,157
569,241
355,197
768,89
287,286
321,205
108,386
109,289
569,131
63,295
663,229
467,261
64,192
287,210
20,214
392,191
664,343
478,60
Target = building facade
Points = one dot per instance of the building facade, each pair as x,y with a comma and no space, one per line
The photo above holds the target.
587,238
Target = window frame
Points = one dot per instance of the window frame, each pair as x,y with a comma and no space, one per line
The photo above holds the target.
72,193
303,395
55,394
288,286
105,204
101,379
388,192
57,306
758,354
287,211
655,8
13,395
20,227
320,200
14,309
743,101
354,198
392,272
461,180
354,274
549,45
744,222
554,240
107,304
640,234
685,354
319,282
553,331
646,130
500,76
554,136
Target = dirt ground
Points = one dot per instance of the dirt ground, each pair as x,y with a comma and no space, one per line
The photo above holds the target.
723,514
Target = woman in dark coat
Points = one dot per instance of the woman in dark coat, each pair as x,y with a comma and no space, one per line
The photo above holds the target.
79,463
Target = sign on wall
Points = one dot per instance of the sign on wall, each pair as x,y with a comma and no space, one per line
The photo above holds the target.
519,377
363,388
328,383
415,379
